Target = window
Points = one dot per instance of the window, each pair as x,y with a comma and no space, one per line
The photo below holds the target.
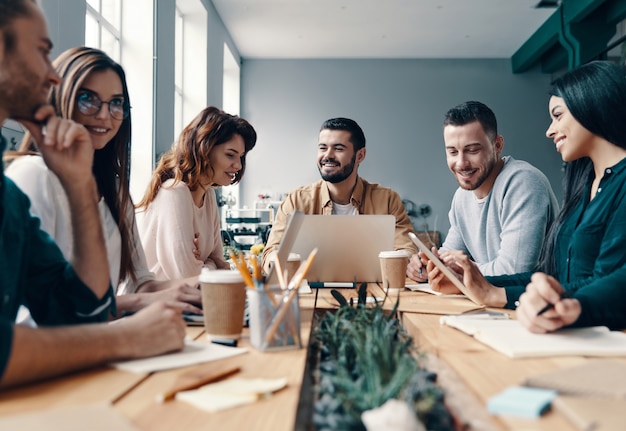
102,26
231,99
179,72
190,82
231,102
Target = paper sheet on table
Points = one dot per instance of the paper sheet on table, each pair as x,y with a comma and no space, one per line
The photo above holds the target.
425,287
231,393
587,413
100,417
433,304
600,378
194,352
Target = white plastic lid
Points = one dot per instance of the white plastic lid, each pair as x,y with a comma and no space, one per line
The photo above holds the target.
394,253
220,276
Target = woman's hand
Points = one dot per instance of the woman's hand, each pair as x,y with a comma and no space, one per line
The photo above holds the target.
196,248
184,294
542,291
439,282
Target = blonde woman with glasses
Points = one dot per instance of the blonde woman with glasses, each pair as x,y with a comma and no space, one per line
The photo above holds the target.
94,93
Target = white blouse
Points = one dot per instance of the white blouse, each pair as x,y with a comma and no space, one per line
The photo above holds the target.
49,203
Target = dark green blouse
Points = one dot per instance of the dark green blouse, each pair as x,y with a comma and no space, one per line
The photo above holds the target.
590,254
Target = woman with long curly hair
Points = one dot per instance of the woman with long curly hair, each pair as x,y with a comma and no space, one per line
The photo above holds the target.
180,202
94,93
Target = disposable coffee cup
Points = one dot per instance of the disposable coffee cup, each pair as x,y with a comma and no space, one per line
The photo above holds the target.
293,263
223,303
393,266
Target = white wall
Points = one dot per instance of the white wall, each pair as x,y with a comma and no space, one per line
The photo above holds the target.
400,104
66,23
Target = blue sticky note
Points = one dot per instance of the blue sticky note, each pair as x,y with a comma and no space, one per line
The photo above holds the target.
521,401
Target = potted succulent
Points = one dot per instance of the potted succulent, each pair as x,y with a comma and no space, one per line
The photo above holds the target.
364,359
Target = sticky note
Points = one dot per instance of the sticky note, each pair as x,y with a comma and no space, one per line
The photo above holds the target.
521,401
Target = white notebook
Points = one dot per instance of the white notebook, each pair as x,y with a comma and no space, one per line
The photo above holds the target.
510,338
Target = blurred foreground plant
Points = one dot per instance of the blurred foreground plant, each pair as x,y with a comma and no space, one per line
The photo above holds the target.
366,358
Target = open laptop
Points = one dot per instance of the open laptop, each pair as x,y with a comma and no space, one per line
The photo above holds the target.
286,243
348,246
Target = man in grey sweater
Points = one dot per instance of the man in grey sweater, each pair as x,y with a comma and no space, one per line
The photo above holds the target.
503,208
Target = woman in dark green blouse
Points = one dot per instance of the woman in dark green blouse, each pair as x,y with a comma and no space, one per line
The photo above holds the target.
585,251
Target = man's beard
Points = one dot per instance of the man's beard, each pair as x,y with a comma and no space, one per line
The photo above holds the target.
341,175
18,89
479,182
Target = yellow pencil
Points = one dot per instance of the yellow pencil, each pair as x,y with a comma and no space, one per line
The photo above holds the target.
256,268
281,275
243,269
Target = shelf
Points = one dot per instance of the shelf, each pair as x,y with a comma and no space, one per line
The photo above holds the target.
241,226
243,220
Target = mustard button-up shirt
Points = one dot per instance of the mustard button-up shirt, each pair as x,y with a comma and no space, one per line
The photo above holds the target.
367,198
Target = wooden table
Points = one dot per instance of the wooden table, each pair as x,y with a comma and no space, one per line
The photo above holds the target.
470,371
275,413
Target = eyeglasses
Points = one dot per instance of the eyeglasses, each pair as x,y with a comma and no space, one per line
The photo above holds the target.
90,104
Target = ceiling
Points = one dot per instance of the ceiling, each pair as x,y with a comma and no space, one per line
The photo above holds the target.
380,28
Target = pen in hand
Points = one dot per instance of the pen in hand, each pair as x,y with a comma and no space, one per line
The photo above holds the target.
549,306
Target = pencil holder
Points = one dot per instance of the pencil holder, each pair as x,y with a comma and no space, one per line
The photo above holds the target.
274,321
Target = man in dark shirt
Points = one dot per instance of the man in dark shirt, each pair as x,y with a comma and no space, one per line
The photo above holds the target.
32,270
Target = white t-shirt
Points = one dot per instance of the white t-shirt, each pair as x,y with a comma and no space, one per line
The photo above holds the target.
344,209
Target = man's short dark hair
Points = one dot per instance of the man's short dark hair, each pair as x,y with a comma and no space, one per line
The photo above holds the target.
471,111
9,11
357,137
